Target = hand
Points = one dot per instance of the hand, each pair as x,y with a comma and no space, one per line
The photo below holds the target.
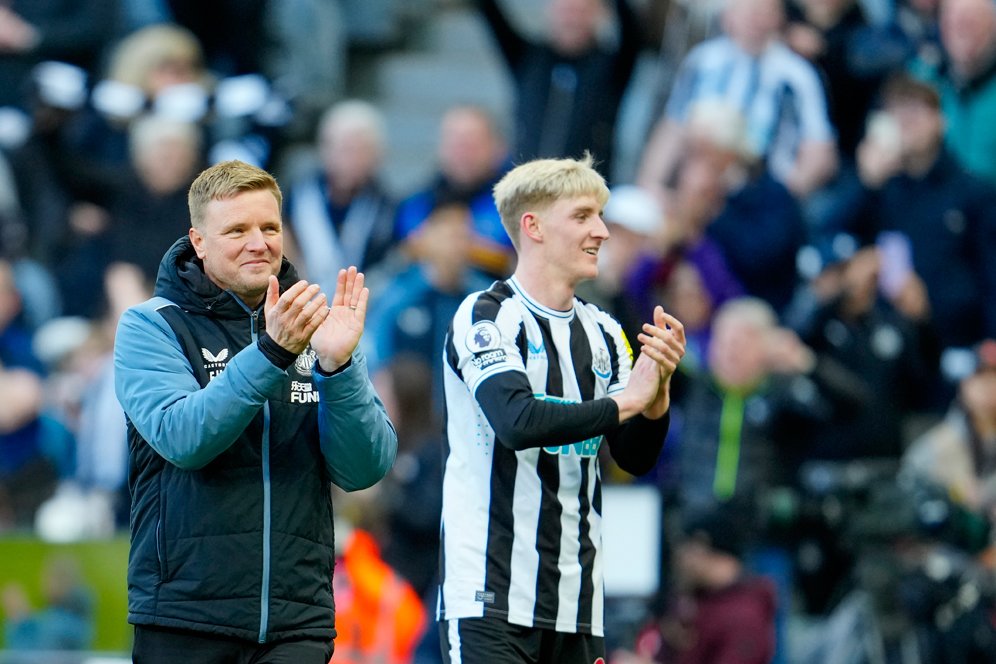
292,318
664,342
340,332
877,163
642,389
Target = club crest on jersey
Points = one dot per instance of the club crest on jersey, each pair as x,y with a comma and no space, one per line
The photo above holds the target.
483,336
305,362
214,364
601,364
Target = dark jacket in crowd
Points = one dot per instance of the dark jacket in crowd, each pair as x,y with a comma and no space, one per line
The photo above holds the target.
566,105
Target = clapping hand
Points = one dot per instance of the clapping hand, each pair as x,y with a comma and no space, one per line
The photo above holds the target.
339,333
293,317
664,342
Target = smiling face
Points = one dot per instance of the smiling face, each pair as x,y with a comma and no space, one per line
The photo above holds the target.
240,242
571,232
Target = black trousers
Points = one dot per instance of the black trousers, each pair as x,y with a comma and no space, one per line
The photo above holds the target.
493,641
159,645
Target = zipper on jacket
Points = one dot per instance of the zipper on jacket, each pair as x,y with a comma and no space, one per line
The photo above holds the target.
264,598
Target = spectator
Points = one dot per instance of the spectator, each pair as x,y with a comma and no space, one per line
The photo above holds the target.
967,82
143,212
27,475
415,311
854,323
718,612
959,453
911,184
35,30
339,214
825,32
777,91
754,404
568,87
64,622
727,210
472,157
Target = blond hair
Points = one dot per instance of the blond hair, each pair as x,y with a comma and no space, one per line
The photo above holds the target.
149,48
226,180
537,184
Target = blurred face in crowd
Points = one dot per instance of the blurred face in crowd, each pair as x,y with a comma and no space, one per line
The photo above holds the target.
753,23
574,24
686,297
469,147
170,72
968,32
443,244
738,351
351,155
241,243
921,126
168,164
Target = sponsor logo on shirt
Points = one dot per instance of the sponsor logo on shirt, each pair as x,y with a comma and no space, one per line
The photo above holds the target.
489,358
303,392
585,448
537,352
214,364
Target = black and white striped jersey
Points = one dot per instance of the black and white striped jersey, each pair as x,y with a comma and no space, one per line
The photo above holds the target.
525,417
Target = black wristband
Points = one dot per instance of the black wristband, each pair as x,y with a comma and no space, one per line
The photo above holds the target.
279,356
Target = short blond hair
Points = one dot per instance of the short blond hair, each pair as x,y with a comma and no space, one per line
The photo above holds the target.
226,180
539,183
148,48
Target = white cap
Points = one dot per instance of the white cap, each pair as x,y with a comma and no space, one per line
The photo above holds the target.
633,208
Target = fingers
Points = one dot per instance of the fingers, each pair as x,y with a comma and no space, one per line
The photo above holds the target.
665,321
664,341
340,288
272,293
348,288
361,303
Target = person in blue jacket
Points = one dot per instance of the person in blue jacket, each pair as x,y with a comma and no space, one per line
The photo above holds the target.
246,399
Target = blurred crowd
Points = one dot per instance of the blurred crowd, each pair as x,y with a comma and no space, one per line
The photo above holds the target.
815,201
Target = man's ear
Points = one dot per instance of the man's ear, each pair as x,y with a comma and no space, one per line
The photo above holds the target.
529,226
197,240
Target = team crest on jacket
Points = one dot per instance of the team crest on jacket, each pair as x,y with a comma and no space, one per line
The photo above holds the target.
305,362
214,364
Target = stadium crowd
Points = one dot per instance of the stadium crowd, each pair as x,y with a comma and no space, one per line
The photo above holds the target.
816,202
